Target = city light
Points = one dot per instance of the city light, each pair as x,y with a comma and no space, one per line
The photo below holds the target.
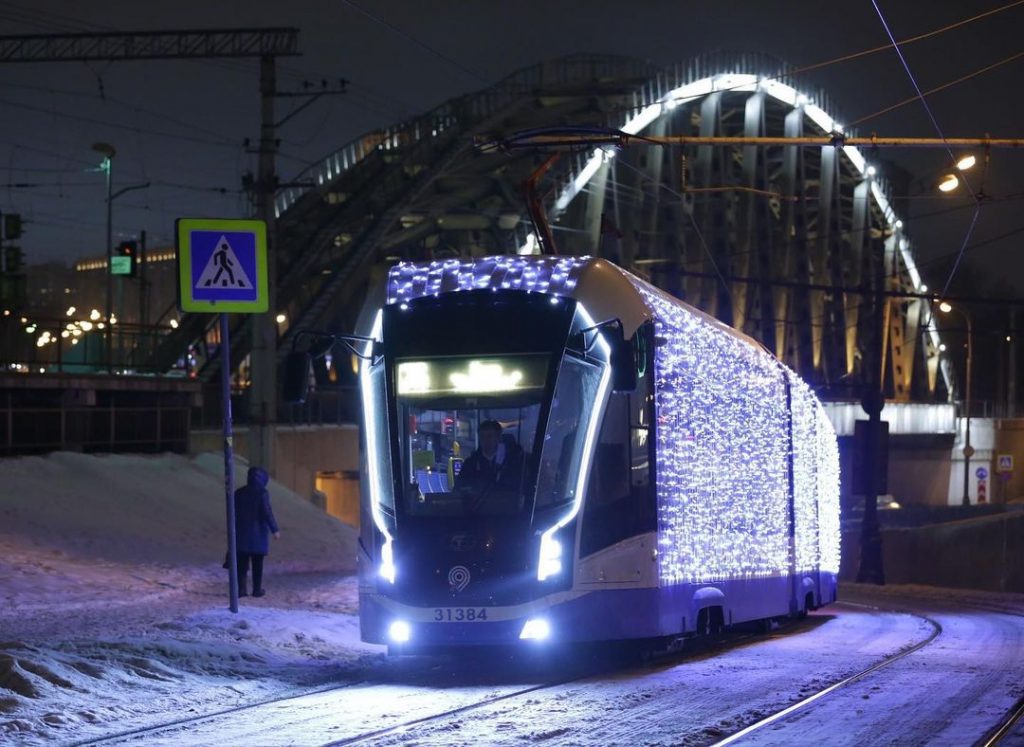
71,310
174,324
966,162
945,308
281,318
94,315
949,183
942,347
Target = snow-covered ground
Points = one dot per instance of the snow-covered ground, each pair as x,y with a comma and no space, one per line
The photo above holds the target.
113,602
113,617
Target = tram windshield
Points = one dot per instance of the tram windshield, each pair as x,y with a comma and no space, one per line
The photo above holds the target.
468,431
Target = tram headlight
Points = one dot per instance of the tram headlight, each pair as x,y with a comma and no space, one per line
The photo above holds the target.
399,631
535,629
550,561
387,561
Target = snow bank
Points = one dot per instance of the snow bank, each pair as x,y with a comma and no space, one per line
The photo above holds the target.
113,602
165,509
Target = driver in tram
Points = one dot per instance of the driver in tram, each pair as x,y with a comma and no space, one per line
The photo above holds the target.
492,473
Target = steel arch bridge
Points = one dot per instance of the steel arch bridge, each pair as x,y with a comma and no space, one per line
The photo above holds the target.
788,244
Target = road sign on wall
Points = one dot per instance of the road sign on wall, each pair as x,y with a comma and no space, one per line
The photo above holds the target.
1004,463
222,265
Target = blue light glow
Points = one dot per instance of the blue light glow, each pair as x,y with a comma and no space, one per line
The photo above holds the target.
399,632
549,563
554,275
722,472
536,629
371,388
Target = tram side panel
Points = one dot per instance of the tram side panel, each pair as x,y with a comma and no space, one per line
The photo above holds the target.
722,472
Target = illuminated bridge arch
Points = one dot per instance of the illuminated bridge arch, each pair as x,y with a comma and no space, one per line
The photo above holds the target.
781,223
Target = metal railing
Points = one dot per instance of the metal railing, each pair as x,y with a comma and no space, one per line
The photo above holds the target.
53,346
110,428
325,406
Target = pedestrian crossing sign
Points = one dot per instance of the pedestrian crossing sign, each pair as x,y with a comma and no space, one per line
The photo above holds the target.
222,265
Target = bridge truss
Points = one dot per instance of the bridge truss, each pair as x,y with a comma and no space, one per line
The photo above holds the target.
788,244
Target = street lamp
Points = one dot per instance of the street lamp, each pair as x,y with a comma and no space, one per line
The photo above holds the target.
108,152
951,181
945,307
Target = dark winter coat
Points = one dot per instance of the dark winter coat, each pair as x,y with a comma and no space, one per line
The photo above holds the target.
254,520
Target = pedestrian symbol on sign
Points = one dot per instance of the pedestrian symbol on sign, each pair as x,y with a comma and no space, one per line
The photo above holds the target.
222,266
223,270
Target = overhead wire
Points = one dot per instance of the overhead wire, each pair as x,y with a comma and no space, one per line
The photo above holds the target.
409,37
938,129
696,230
936,89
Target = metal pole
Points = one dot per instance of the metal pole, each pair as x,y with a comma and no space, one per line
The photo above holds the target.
108,164
1011,389
968,451
229,474
263,369
871,568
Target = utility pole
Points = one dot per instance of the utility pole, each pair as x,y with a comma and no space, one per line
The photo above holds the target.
871,561
267,44
263,352
1011,389
263,360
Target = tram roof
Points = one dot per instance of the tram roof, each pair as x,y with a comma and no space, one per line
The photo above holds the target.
604,288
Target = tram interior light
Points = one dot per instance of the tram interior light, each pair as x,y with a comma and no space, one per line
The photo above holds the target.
461,376
399,632
949,183
536,629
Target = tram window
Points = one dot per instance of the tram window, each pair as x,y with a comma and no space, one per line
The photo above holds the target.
572,406
453,467
610,514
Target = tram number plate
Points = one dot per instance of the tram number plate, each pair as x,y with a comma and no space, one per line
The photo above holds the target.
460,614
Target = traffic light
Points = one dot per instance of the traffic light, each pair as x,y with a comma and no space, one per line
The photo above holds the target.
14,260
12,226
125,259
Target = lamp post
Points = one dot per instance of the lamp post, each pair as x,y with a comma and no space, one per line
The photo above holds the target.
108,152
107,167
946,308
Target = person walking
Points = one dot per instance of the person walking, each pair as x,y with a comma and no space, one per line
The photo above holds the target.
254,522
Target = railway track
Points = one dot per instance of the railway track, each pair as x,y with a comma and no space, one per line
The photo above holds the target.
132,734
611,665
802,704
992,738
623,660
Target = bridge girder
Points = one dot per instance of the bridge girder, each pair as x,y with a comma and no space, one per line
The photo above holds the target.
773,220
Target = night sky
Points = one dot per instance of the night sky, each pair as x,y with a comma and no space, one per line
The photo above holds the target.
180,125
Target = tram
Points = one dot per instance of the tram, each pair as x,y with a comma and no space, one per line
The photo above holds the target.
556,450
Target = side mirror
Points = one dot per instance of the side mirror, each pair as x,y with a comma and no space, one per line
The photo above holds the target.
623,360
295,381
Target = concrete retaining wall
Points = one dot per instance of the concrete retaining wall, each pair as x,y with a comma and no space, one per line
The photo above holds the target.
301,452
984,553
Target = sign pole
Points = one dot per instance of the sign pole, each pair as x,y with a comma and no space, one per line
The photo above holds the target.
229,473
222,269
